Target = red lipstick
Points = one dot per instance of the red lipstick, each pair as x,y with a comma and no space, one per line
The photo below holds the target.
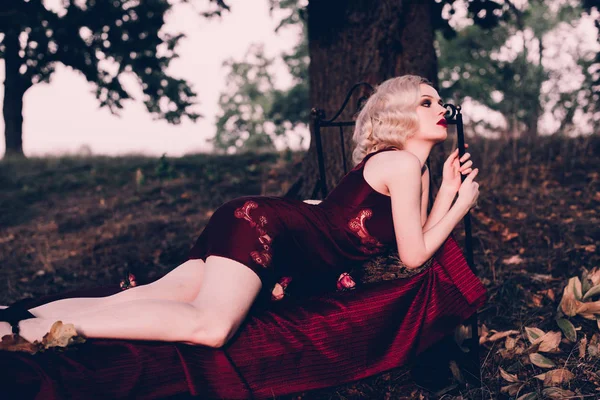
443,122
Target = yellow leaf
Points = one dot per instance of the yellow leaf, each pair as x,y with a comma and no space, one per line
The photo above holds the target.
508,377
558,377
60,335
540,361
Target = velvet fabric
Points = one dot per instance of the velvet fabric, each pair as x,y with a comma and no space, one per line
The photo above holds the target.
292,346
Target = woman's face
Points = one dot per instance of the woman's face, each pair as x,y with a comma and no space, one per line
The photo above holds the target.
432,124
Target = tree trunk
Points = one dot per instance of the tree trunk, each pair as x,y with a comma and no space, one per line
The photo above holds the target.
351,41
14,89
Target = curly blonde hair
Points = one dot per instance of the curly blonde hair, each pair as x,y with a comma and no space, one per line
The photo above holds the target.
388,117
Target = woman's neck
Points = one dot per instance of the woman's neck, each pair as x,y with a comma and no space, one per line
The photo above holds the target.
420,149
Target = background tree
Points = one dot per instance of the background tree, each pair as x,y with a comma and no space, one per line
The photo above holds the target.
351,41
104,40
253,110
510,70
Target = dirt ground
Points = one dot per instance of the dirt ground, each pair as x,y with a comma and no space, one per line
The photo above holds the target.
68,223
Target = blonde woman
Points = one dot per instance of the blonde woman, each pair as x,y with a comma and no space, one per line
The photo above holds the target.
258,248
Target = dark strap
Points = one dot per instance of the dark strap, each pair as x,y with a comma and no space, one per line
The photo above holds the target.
13,315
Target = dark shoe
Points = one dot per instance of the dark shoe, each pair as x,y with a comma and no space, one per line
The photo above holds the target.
13,315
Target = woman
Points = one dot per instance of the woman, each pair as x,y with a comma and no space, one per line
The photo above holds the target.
258,247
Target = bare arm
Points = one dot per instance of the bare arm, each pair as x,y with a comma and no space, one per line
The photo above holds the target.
425,199
415,246
441,205
451,182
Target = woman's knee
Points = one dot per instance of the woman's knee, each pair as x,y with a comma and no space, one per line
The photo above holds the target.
210,330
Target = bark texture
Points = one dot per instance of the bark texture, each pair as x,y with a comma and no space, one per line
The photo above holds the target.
353,41
14,90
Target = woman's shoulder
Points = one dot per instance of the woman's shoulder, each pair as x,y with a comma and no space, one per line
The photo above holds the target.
395,158
384,168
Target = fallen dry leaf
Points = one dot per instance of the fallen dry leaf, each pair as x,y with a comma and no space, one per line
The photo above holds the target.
548,342
60,335
513,389
582,345
541,377
514,260
555,393
557,377
510,343
507,235
9,343
536,300
500,335
508,377
533,333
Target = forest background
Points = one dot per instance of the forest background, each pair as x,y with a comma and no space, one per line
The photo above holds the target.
525,72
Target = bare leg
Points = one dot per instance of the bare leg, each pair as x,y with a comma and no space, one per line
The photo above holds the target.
211,319
181,284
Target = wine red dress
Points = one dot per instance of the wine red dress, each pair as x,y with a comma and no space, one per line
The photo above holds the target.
301,246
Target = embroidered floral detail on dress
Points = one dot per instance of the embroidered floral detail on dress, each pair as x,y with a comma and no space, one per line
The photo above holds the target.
128,282
357,225
279,288
260,257
345,282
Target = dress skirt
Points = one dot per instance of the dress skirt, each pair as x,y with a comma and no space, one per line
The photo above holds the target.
294,346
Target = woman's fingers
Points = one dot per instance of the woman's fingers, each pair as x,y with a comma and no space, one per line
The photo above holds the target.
472,175
452,157
466,166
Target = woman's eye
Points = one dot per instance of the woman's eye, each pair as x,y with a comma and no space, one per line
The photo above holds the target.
426,103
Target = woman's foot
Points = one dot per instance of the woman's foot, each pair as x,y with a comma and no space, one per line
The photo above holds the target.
5,329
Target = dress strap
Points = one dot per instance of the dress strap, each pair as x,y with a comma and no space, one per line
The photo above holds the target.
365,158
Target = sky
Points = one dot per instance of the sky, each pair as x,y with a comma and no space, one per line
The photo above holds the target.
64,117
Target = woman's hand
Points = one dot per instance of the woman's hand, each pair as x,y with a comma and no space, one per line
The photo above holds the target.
468,192
451,176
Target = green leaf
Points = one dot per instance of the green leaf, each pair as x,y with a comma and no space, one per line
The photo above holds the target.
567,328
576,287
541,361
